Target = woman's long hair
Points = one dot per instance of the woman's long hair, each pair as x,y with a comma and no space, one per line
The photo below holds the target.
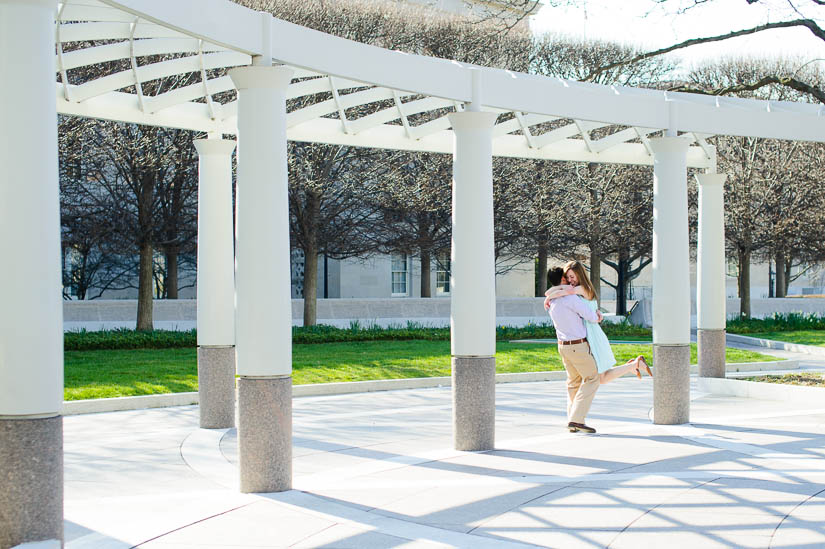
581,274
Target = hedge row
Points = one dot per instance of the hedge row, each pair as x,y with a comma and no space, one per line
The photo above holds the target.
128,339
161,339
779,322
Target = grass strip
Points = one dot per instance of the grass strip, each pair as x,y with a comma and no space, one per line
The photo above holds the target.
116,373
802,337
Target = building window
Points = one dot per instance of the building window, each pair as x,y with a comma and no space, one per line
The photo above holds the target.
159,274
297,267
399,274
732,267
442,274
72,262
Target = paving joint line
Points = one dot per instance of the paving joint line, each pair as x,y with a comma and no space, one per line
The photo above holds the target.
797,506
655,507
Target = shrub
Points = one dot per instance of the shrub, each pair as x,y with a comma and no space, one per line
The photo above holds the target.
127,339
162,339
779,322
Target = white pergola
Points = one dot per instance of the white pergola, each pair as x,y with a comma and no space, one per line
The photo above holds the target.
372,98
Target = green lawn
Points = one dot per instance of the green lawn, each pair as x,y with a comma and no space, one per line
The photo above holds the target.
803,337
105,374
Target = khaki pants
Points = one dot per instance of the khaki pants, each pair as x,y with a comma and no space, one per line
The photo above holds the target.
582,379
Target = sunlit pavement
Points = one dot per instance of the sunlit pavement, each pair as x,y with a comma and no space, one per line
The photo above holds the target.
378,470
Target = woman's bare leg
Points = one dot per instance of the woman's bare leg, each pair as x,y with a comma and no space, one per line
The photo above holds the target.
617,372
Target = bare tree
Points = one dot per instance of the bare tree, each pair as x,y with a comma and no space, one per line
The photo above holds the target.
632,230
765,191
794,219
414,201
329,214
126,169
177,213
531,214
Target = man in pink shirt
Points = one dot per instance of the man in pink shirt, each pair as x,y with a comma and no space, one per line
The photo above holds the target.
568,314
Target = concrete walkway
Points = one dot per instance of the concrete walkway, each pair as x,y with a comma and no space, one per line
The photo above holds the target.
377,470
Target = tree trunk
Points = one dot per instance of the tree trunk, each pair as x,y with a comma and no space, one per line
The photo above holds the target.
621,282
745,282
788,262
310,286
771,279
426,259
145,281
146,265
83,280
310,238
781,284
596,272
171,281
541,275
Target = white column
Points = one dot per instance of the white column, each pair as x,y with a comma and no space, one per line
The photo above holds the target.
31,317
216,285
263,329
710,292
472,282
671,282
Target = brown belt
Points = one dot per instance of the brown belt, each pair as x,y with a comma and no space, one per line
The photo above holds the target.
573,341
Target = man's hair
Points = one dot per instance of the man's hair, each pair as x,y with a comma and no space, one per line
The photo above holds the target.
554,275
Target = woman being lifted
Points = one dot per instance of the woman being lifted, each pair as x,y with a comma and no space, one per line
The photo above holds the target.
575,281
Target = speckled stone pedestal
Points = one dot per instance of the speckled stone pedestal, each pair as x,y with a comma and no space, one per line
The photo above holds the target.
31,480
711,351
474,403
216,387
265,434
671,384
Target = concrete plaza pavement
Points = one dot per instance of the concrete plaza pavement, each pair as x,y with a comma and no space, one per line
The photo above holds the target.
377,470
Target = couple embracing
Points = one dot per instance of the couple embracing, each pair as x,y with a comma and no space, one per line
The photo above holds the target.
583,346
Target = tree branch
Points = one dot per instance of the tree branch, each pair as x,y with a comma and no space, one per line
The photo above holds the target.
807,23
789,82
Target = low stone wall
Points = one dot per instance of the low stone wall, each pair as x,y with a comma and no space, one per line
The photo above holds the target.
108,314
181,314
510,311
760,308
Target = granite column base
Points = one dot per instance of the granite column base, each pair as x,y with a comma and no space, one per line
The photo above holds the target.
671,384
711,351
474,403
265,434
216,387
31,480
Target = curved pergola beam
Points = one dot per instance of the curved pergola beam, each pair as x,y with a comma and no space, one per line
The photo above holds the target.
506,90
398,86
218,21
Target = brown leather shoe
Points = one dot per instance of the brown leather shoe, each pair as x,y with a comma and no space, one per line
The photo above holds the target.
575,427
645,366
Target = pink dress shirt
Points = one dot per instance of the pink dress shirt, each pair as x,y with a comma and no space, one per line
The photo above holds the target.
567,313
